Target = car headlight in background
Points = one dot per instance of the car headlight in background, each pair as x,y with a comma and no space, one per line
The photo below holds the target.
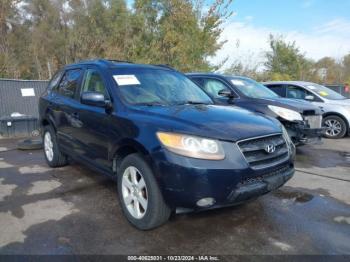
192,146
285,113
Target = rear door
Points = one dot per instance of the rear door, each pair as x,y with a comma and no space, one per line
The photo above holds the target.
65,107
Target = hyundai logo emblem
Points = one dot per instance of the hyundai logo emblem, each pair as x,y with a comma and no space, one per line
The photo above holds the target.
270,149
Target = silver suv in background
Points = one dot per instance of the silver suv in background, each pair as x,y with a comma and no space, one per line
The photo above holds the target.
336,108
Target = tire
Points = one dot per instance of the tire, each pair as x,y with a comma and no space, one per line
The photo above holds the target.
57,159
152,213
335,127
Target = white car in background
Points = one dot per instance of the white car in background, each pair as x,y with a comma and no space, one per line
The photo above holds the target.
336,116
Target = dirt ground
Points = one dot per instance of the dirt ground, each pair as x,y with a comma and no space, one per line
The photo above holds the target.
73,210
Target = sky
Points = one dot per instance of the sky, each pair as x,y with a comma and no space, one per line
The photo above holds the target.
319,27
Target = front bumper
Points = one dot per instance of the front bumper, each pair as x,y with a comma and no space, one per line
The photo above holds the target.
301,134
184,181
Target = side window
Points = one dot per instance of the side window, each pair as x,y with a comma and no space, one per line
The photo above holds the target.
278,89
94,83
296,92
213,86
197,81
69,83
55,80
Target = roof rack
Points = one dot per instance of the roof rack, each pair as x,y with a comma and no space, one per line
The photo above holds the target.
119,61
166,66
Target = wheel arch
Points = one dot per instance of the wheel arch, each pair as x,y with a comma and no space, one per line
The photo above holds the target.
47,120
125,148
338,115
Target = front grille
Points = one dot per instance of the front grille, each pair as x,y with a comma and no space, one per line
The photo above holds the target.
314,121
255,151
276,172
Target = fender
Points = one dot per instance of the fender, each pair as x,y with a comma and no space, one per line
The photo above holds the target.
127,142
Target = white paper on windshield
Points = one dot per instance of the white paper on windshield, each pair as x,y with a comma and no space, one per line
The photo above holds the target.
126,80
311,87
27,92
237,82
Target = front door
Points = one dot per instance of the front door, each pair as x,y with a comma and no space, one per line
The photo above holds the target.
95,131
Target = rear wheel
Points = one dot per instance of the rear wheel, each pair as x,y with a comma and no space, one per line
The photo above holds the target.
139,194
335,127
54,157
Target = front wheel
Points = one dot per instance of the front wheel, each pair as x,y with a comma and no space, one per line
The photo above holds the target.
139,194
335,127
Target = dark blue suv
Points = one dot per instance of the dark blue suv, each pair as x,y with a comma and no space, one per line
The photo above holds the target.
161,138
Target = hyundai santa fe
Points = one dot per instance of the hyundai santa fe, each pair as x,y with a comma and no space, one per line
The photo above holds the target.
161,138
301,119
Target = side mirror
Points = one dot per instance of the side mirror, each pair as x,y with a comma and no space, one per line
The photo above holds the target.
310,98
226,93
94,99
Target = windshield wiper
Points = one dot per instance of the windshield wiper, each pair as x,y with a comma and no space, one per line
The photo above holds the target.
150,104
190,102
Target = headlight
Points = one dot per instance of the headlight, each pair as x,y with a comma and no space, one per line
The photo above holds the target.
285,113
192,146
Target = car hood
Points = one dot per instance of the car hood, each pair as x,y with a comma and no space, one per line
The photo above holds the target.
296,105
345,102
219,122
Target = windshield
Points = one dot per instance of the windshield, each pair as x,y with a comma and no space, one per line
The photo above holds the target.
325,92
158,87
252,88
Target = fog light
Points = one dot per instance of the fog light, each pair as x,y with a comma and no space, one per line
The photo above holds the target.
206,202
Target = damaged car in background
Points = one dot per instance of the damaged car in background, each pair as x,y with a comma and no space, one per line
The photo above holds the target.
335,107
301,119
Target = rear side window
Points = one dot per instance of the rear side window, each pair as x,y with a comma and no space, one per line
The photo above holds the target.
278,89
55,80
69,83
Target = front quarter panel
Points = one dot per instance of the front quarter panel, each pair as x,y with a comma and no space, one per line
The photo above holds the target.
329,107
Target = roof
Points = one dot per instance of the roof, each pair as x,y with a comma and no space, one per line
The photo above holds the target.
106,63
217,75
302,83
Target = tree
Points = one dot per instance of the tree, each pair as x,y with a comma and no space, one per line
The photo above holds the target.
178,33
329,71
285,61
8,20
346,69
40,36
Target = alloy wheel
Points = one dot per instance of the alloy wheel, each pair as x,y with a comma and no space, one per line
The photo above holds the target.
48,146
134,192
333,127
